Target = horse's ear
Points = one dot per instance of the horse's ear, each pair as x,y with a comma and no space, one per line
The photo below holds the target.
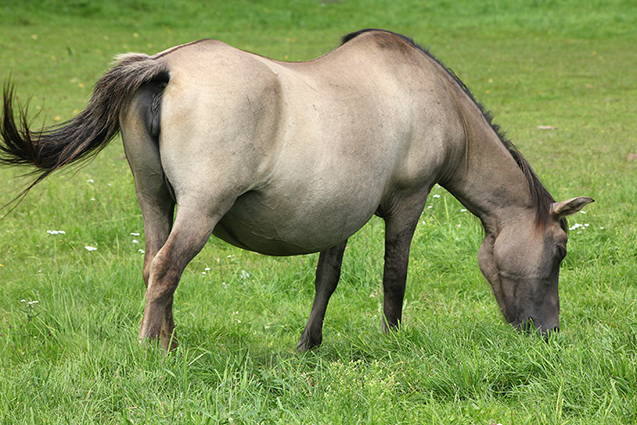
560,210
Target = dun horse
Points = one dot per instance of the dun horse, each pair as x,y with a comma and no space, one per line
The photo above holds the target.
293,158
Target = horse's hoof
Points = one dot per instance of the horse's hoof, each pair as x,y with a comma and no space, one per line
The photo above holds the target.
306,344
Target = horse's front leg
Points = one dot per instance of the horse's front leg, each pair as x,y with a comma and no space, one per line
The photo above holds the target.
328,271
399,231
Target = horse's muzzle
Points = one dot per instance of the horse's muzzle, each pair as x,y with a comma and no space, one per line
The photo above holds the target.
532,324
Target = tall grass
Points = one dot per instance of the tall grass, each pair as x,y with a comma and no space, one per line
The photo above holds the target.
73,357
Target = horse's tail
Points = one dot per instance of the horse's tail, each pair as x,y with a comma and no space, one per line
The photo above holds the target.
85,135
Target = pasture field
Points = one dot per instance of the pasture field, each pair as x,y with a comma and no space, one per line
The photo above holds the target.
69,316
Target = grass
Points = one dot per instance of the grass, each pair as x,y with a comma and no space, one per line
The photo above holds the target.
73,356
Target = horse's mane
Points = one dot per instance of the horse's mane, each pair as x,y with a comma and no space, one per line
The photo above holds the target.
542,199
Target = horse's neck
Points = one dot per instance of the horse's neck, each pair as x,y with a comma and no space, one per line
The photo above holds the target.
487,180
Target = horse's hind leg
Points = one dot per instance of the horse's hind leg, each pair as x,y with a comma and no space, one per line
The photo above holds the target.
153,193
399,231
157,213
328,271
189,235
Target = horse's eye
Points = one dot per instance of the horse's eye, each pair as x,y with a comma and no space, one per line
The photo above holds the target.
561,252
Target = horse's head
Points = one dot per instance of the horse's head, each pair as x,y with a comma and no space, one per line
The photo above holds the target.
522,263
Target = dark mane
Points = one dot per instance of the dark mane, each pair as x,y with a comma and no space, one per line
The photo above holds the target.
542,199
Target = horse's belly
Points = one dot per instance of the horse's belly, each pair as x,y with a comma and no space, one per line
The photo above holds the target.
290,226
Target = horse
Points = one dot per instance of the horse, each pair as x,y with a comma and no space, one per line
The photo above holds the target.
289,158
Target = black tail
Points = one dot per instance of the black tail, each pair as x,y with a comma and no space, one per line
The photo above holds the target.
85,135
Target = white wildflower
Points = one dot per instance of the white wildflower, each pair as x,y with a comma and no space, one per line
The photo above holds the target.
134,234
56,232
90,248
90,181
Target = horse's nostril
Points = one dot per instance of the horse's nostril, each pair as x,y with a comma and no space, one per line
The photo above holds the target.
548,332
554,329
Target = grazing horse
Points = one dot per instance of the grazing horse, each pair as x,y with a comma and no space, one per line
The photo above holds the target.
294,158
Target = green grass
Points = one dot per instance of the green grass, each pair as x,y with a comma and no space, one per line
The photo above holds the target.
73,357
